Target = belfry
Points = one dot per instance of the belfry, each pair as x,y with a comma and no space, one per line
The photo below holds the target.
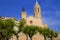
37,10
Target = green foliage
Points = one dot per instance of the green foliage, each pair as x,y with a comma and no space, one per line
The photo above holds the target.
1,29
6,27
9,24
1,24
52,34
22,22
30,30
40,29
1,37
46,32
20,26
55,34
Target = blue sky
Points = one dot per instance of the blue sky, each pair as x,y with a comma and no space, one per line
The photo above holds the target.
50,10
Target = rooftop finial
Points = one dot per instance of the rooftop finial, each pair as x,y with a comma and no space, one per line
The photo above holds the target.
36,1
23,9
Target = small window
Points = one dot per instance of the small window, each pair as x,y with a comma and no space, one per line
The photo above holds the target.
31,22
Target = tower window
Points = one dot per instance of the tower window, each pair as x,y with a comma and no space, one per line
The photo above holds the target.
38,9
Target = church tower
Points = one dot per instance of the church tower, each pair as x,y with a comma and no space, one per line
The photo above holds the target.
23,14
37,10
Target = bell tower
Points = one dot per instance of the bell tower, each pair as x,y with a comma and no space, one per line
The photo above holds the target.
37,10
23,13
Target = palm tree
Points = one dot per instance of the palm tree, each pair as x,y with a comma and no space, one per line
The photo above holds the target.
30,31
20,26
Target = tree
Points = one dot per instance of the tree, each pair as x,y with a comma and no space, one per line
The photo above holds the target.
1,37
20,26
1,30
8,25
30,31
44,32
52,34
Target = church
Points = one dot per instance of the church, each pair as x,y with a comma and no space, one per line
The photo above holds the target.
35,20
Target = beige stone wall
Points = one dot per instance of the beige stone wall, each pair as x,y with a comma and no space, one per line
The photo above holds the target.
35,37
38,37
23,15
22,36
35,21
14,38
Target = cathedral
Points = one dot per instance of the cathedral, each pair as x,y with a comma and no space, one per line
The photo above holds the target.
36,19
33,20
